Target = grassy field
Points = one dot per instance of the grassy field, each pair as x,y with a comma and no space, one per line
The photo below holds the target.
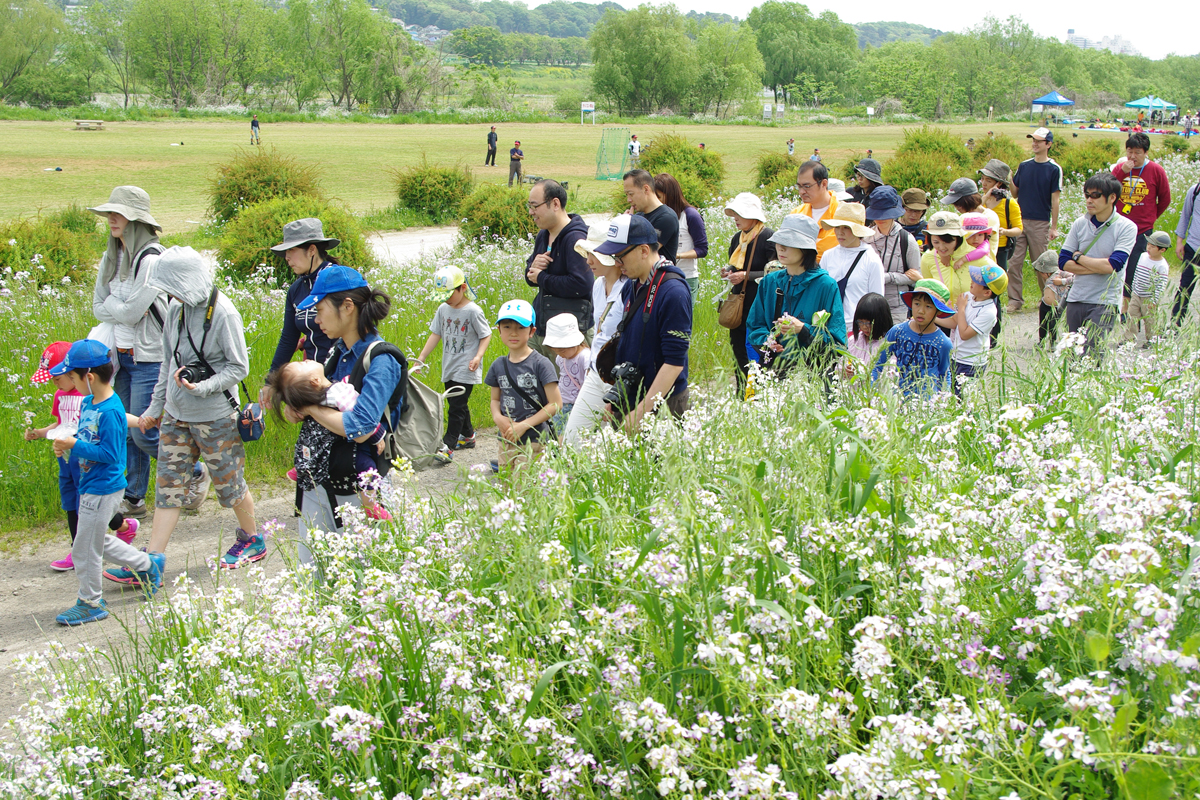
355,159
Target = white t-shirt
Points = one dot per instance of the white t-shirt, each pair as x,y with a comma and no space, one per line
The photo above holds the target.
866,278
635,148
686,243
818,213
981,318
607,310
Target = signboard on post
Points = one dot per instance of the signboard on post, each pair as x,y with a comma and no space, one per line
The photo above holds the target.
780,111
870,113
767,107
587,108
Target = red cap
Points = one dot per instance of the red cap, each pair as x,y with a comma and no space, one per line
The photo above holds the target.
52,356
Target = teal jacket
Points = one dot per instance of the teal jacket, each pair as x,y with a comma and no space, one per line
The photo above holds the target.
803,295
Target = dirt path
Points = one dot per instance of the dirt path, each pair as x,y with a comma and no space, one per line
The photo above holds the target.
31,594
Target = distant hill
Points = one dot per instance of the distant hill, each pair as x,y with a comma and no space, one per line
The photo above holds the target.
874,34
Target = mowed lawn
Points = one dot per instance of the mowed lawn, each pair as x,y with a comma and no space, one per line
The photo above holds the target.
356,159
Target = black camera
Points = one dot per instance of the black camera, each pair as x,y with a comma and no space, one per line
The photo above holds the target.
627,378
194,373
999,192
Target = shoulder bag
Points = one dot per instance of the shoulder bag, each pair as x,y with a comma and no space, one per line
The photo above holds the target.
731,311
606,359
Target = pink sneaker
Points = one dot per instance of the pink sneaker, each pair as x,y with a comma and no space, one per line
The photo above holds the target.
377,512
130,533
292,474
63,564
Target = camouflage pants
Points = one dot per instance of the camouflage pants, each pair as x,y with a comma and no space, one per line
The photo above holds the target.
180,444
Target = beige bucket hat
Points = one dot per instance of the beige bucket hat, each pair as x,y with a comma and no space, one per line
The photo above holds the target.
131,203
849,215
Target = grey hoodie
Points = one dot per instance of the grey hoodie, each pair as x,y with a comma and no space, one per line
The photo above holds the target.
181,273
134,312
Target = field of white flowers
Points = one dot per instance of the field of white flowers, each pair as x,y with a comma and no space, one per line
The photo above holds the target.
817,594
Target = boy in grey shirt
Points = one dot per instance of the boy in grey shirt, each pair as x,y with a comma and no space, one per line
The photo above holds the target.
1095,252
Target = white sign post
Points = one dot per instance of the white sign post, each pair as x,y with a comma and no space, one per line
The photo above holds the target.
587,108
870,113
767,109
780,111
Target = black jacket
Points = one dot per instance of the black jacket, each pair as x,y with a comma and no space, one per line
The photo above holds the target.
568,275
316,344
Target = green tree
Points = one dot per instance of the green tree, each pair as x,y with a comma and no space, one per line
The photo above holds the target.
29,33
644,60
914,74
173,44
479,45
730,67
406,73
793,43
106,23
340,39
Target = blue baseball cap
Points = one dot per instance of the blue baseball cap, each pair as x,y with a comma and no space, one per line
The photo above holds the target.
331,280
625,231
84,354
518,311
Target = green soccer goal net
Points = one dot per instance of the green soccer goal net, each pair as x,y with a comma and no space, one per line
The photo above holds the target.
613,154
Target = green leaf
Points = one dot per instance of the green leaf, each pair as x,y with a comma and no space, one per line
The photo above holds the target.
1124,717
1097,646
1192,645
1146,780
542,684
775,608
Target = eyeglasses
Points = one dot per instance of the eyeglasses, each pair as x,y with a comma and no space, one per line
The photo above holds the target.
619,257
1093,195
536,206
805,186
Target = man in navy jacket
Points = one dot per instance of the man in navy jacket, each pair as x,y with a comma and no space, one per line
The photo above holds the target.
658,318
562,276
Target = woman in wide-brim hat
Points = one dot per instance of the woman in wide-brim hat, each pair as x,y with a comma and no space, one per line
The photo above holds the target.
123,298
750,250
305,249
868,176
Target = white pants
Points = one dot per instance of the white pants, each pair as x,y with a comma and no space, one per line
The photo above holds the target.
316,514
94,544
588,409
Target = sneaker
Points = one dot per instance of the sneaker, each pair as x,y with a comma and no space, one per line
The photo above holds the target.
63,564
197,493
377,512
151,580
135,509
246,550
1013,307
466,442
130,533
443,455
291,475
82,613
120,575
495,465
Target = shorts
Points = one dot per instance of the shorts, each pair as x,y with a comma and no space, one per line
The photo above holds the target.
180,444
68,483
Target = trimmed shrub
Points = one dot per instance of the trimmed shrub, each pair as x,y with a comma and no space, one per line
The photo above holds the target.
257,175
78,219
1175,144
676,155
1003,147
568,102
245,253
434,190
937,142
770,165
1087,158
494,211
53,247
694,191
928,171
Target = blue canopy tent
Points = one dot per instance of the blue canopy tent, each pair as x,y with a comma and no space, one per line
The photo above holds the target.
1150,103
1051,99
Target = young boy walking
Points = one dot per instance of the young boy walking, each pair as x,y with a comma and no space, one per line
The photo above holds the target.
974,320
65,409
99,444
463,330
1150,278
922,351
525,392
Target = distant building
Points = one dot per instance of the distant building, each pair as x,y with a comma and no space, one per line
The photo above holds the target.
425,34
1114,44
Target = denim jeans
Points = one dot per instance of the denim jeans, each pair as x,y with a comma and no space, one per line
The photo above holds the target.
135,386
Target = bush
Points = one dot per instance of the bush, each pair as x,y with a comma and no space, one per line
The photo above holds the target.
434,190
245,252
937,142
568,102
53,247
1175,144
770,165
1002,147
849,169
674,154
493,211
928,171
78,219
257,175
1086,159
694,191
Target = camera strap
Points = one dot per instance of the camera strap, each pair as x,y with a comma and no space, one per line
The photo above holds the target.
199,351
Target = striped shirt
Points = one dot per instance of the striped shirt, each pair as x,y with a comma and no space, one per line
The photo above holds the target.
1150,278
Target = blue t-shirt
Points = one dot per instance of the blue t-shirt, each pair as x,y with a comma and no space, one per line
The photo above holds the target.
922,359
1035,183
514,153
100,446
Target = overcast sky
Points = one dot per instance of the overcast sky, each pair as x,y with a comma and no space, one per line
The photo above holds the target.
1154,31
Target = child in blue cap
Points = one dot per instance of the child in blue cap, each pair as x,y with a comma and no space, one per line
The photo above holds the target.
524,385
99,446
